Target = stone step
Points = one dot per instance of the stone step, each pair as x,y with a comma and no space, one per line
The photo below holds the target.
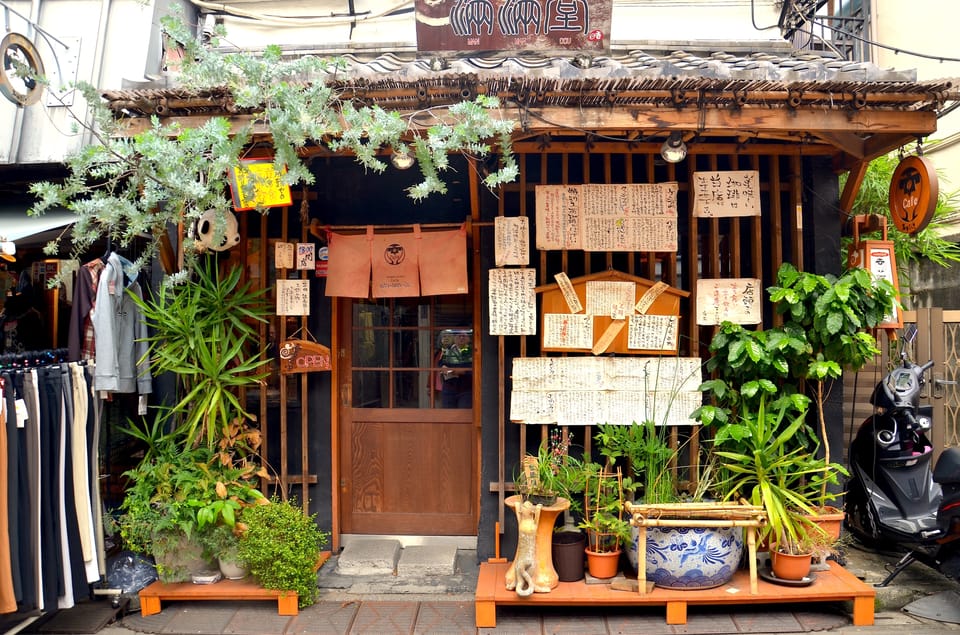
387,557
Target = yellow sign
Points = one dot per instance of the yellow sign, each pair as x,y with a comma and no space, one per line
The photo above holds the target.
256,183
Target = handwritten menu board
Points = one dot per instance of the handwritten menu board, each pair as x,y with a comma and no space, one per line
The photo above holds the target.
306,256
513,302
734,300
613,298
624,217
616,390
730,193
511,240
567,330
293,297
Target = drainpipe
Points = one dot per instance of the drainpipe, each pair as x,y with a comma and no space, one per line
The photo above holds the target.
97,73
14,153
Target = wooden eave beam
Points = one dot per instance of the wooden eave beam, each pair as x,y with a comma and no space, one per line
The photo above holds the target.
852,187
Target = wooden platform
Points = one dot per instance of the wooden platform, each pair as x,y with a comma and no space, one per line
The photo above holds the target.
833,585
245,589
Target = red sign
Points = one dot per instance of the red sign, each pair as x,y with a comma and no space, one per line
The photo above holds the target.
506,25
914,189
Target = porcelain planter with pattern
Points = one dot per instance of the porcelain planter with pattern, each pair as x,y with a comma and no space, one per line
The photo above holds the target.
688,557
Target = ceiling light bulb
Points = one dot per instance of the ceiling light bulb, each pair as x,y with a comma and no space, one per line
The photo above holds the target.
674,150
401,160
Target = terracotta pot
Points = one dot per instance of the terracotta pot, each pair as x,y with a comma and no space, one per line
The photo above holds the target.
787,566
603,564
830,519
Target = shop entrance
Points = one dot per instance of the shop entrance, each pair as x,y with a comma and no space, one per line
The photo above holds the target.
408,445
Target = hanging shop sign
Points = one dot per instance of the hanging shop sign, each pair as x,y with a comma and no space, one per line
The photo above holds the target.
914,189
18,56
507,25
257,183
303,356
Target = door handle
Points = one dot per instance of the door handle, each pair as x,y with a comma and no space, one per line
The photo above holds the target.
939,383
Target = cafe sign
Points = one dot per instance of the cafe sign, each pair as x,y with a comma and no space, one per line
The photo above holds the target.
914,189
506,25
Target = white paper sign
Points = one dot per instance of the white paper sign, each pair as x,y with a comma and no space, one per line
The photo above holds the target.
306,256
730,193
283,255
511,240
512,302
293,297
569,293
653,332
567,330
611,298
736,300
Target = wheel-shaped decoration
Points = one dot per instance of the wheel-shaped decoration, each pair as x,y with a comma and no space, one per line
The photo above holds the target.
16,50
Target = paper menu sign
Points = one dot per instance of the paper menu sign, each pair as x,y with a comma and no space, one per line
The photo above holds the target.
511,240
736,300
729,193
293,297
512,301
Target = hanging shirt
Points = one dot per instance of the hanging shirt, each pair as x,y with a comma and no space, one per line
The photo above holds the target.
121,362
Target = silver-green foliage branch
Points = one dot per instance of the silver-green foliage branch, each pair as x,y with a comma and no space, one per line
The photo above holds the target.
169,174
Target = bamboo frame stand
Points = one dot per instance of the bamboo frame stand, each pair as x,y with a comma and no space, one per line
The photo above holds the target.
740,514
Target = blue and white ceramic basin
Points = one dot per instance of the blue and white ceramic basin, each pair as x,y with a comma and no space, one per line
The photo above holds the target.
690,558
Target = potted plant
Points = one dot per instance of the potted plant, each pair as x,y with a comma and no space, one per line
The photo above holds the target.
175,494
764,466
551,473
222,543
282,545
607,528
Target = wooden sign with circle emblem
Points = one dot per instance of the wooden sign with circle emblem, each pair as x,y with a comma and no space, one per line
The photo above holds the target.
17,50
914,189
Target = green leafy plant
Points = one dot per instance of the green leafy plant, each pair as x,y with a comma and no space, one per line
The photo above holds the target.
222,542
282,546
767,468
552,472
648,458
204,332
125,187
607,529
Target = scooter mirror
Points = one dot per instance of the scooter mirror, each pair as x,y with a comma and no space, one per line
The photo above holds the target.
909,333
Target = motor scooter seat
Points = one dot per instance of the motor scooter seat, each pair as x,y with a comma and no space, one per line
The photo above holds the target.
947,469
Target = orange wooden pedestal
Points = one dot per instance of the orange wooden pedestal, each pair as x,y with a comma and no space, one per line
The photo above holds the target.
831,585
246,589
545,575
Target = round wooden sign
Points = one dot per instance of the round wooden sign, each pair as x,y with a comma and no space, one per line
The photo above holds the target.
18,52
914,189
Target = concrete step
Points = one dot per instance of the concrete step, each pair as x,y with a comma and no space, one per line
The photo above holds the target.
387,557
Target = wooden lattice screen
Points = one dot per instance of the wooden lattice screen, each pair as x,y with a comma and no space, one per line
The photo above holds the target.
751,247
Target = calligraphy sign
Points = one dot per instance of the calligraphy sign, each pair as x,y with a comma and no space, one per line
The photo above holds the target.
914,190
734,300
877,256
492,25
728,193
257,183
303,356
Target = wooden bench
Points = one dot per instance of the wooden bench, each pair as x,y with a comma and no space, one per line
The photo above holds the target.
831,585
245,589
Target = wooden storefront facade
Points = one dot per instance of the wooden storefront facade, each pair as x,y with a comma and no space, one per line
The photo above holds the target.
368,443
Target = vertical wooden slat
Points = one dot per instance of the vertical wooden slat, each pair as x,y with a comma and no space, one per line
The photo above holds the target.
796,212
282,335
501,367
776,224
262,264
756,234
302,379
733,256
335,422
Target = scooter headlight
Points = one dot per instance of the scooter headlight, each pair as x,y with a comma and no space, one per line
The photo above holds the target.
923,423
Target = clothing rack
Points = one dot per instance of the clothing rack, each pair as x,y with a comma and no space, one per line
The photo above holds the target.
32,359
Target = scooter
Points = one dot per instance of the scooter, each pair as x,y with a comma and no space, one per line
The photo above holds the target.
895,497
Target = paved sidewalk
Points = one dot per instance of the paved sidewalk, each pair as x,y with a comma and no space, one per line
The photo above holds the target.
388,605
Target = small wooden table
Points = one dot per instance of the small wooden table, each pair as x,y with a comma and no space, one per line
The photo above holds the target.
245,589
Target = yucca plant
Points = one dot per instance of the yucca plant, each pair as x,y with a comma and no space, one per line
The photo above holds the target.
204,331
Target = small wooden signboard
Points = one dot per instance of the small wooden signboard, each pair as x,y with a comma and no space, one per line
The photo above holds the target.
665,302
303,356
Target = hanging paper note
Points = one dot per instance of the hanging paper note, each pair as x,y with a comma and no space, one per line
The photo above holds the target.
293,297
729,193
283,255
608,336
650,296
652,332
734,300
567,330
306,256
511,240
611,298
512,301
569,293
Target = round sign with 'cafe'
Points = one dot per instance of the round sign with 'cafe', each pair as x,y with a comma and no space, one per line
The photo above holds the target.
914,189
